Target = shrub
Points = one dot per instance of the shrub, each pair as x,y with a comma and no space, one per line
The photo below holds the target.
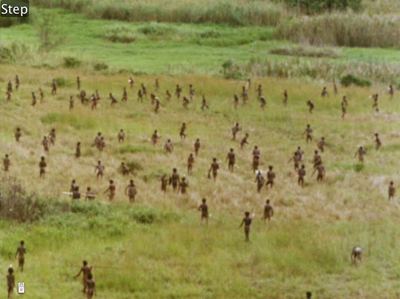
318,6
71,62
61,82
155,29
353,80
120,34
100,66
230,70
16,204
305,52
15,52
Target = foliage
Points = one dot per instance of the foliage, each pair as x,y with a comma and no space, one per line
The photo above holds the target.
353,80
71,62
318,6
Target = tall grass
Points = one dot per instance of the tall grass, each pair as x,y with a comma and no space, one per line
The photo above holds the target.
237,12
350,30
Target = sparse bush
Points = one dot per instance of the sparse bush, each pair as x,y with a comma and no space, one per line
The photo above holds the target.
306,52
230,70
353,80
348,30
155,29
100,66
318,6
71,62
15,52
120,34
16,204
48,32
61,81
209,34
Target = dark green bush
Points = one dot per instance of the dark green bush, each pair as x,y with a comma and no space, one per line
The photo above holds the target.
71,62
318,6
353,80
100,66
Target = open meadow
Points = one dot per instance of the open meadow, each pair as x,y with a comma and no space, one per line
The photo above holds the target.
157,247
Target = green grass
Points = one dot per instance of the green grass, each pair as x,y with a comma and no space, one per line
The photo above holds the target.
182,48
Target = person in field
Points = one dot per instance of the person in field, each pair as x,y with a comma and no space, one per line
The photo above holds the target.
78,83
18,134
344,104
213,170
90,286
121,136
285,97
78,150
111,190
270,177
378,142
190,162
356,255
308,133
164,183
131,191
6,163
183,186
124,97
155,137
235,101
391,190
204,104
168,146
10,282
320,169
360,153
268,211
54,87
321,144
231,158
235,129
197,146
42,167
301,173
20,255
256,158
324,92
182,131
203,208
244,140
174,179
99,170
310,105
85,270
317,159
34,101
259,180
71,103
246,222
17,82
375,102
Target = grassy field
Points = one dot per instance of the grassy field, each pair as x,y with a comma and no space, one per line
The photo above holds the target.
180,48
308,243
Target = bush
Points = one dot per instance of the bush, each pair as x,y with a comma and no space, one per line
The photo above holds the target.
306,52
155,29
230,70
120,34
15,52
71,62
100,66
16,204
353,80
61,82
318,6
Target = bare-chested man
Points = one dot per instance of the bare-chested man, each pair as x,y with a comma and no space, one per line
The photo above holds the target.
235,129
182,131
270,177
78,83
204,104
168,146
320,169
378,142
301,174
18,134
183,185
324,92
308,132
197,146
391,190
42,167
285,97
317,159
99,170
190,162
259,180
174,179
213,170
45,144
52,136
155,137
20,254
246,222
131,191
6,163
375,103
124,97
78,150
344,105
203,208
90,286
235,101
256,158
231,158
10,282
268,211
85,270
244,140
321,144
54,87
310,105
111,190
121,136
164,183
360,153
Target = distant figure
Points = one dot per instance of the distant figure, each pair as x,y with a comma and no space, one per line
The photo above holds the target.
78,150
121,136
270,177
131,191
231,158
6,163
17,134
203,208
246,222
213,170
85,271
42,167
54,87
321,144
10,282
236,129
285,97
324,92
301,174
78,83
111,190
268,211
308,132
378,142
391,190
20,254
308,295
197,146
310,105
360,153
90,286
356,255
